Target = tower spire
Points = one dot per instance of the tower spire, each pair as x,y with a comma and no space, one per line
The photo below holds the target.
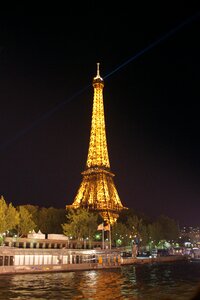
97,190
98,74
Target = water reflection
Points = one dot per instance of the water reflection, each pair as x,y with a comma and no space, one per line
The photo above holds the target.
103,285
149,282
164,281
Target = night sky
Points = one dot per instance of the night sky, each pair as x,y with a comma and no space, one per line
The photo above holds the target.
151,104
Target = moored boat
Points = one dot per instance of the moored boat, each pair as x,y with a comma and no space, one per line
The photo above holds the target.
18,260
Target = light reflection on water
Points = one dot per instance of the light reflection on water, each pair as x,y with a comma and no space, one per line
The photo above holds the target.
177,281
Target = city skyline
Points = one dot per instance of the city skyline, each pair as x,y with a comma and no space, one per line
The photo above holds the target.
151,109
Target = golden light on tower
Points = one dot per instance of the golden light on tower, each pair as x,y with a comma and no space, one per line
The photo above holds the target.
97,191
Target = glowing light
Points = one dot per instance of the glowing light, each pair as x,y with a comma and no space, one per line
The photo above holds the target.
97,190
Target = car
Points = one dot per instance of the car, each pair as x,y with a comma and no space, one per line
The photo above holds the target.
144,254
126,254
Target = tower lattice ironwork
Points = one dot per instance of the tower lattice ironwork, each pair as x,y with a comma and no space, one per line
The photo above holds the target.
97,191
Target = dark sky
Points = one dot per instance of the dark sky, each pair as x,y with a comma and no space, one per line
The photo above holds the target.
151,106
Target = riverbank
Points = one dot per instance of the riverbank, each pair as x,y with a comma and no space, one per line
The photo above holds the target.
145,260
15,260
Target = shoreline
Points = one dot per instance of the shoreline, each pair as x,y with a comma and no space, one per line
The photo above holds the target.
143,260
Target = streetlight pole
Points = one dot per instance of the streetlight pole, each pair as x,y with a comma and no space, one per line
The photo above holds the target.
102,238
110,237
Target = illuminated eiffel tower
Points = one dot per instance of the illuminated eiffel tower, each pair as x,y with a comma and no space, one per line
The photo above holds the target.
97,191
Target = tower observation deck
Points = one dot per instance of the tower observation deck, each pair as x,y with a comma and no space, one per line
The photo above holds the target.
97,191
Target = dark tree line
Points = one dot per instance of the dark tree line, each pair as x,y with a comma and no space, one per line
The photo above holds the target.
130,228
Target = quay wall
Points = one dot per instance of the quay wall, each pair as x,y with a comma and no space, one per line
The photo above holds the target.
54,268
143,260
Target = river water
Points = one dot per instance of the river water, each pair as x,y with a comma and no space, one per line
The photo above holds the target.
164,281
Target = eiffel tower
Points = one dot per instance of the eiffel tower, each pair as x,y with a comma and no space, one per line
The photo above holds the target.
97,191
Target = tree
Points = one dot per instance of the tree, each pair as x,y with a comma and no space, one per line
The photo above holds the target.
26,223
81,224
136,227
163,229
3,210
121,235
43,221
34,211
50,220
8,215
155,232
169,227
144,233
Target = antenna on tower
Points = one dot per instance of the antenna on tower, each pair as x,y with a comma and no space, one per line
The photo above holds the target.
98,73
98,77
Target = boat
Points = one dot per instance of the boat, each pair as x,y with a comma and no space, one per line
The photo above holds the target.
19,260
38,260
